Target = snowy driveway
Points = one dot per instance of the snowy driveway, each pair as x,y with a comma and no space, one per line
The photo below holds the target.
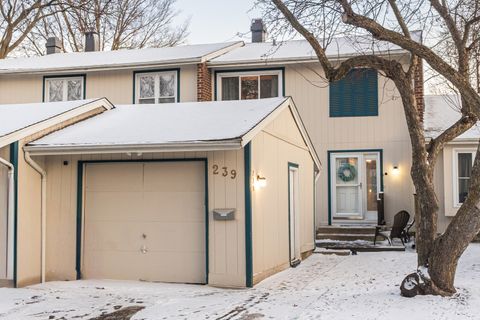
322,287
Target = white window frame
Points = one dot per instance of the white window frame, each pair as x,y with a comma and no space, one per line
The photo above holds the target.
457,151
156,75
227,74
46,81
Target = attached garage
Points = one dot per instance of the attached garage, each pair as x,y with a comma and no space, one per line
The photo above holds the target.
181,192
145,221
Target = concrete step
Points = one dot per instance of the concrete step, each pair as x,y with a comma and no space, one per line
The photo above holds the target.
346,229
345,236
339,252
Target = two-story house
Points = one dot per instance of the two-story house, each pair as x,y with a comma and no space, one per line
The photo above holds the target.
356,126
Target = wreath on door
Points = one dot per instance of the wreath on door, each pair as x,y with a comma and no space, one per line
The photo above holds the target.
347,172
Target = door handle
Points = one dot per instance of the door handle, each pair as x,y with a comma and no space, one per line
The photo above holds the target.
361,185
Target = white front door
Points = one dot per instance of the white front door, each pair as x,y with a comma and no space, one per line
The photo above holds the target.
355,178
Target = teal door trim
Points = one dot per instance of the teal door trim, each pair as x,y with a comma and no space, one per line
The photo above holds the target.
215,87
14,162
290,165
134,98
83,75
380,151
80,191
248,217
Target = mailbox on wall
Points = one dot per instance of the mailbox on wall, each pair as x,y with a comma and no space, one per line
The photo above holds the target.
224,214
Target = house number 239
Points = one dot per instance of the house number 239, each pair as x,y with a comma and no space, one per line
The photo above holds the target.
224,171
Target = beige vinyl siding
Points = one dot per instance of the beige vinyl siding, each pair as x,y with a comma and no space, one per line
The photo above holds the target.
115,85
28,221
226,238
272,149
388,131
20,88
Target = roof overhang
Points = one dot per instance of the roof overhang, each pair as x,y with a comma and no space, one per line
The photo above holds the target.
398,53
125,66
196,146
52,121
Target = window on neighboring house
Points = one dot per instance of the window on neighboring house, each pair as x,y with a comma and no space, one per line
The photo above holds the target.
356,95
64,89
248,85
463,163
156,87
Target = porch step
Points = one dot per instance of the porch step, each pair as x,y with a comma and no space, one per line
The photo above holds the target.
346,236
346,229
354,246
337,252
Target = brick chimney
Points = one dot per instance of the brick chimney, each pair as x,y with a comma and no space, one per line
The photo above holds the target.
53,45
259,31
204,82
418,88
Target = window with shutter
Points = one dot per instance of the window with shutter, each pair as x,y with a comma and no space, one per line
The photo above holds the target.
356,95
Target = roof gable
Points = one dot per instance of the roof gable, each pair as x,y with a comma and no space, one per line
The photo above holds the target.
18,121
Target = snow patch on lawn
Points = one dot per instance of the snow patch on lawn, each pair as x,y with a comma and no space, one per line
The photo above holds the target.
361,287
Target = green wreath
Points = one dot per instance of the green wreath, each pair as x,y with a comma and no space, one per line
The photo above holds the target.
347,172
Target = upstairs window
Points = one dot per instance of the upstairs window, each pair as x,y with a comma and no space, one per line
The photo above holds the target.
156,87
463,163
249,85
64,89
356,95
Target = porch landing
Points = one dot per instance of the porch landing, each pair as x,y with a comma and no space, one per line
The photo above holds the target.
342,240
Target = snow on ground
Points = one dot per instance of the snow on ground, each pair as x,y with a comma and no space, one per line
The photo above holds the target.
363,287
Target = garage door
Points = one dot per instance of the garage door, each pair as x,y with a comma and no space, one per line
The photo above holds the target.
145,221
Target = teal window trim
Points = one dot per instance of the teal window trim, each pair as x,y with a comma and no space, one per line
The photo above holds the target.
14,162
248,217
380,151
80,190
177,70
290,165
83,75
219,72
365,89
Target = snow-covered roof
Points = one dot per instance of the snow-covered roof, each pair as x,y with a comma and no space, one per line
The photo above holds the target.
188,126
301,50
441,111
15,119
82,61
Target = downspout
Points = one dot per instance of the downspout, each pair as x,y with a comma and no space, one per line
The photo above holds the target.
10,214
43,210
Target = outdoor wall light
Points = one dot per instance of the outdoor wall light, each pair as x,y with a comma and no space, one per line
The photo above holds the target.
396,170
259,182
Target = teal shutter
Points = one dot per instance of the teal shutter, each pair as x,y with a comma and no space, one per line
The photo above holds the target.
356,95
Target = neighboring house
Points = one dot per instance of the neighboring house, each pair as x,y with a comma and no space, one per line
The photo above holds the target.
21,234
454,166
218,193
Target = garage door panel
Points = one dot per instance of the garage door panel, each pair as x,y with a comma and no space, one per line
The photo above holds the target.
174,206
114,177
111,265
152,230
106,235
175,177
113,206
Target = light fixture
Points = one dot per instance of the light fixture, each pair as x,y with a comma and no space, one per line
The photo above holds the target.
259,182
396,170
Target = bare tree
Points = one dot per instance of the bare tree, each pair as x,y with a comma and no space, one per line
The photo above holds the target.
392,21
120,24
18,18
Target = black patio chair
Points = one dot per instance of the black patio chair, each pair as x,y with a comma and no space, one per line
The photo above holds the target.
398,230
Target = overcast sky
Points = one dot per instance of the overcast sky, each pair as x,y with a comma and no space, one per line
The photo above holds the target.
217,20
